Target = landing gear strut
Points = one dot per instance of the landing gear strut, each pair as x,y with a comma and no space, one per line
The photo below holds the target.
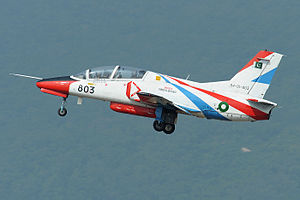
165,121
62,111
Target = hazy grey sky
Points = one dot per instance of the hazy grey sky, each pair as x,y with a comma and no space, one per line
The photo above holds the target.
95,153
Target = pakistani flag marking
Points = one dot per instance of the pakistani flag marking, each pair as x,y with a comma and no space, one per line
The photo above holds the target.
258,65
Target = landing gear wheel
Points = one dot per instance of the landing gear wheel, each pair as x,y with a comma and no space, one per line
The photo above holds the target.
158,126
62,112
169,128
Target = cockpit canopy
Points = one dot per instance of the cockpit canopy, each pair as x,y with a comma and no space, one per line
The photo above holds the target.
112,72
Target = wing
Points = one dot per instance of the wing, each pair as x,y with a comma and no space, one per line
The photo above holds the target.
155,100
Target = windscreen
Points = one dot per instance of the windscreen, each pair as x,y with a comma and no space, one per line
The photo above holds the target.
101,72
128,73
121,72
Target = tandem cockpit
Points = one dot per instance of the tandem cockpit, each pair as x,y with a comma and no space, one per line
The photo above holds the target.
111,72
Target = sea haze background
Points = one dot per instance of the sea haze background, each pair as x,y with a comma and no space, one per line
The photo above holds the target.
95,153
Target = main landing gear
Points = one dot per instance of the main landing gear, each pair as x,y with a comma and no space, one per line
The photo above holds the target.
162,126
62,111
165,121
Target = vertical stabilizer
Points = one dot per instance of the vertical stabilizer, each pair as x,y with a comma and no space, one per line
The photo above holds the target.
255,78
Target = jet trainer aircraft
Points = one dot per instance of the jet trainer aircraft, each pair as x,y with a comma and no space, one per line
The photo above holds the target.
155,95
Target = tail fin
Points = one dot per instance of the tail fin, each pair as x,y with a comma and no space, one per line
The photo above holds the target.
254,78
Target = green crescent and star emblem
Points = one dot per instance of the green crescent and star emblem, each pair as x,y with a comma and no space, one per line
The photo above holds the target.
223,106
258,65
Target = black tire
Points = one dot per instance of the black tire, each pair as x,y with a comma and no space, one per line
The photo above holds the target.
62,112
169,128
158,126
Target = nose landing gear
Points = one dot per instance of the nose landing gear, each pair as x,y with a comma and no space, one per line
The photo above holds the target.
62,111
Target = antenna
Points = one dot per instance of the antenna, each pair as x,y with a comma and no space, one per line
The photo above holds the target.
26,76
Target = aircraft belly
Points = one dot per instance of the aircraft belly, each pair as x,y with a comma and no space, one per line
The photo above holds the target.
238,117
227,116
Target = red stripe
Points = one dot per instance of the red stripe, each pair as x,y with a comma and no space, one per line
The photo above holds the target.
255,100
54,93
261,54
139,89
128,89
244,108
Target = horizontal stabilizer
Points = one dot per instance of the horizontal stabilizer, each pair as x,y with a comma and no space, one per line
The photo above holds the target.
263,101
262,104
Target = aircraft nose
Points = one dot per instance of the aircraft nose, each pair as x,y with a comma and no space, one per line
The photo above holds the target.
58,86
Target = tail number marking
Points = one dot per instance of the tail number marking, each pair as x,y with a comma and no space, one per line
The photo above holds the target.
86,89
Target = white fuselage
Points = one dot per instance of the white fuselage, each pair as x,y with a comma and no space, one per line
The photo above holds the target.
198,99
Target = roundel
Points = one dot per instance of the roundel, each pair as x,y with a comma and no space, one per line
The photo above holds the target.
223,106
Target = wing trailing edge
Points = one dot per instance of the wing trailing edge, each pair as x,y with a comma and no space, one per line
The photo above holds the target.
155,100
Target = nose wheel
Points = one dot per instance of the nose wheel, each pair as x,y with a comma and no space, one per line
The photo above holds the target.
62,111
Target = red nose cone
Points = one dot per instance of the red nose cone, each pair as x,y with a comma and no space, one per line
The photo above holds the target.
58,86
55,86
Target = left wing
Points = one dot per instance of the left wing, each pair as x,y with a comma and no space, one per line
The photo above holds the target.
155,100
